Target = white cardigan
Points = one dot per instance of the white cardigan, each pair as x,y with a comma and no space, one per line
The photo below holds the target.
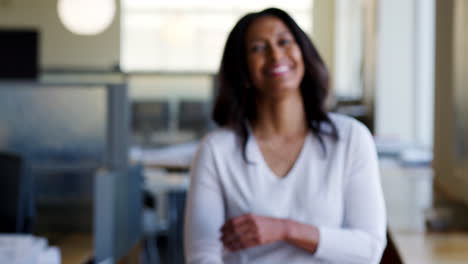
338,191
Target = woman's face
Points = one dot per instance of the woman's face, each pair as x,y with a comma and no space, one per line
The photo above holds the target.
274,58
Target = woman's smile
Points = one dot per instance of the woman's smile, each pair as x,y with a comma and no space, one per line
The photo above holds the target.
278,70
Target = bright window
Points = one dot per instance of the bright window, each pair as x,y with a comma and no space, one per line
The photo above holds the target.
187,35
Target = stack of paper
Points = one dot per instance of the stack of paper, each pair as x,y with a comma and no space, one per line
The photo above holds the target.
27,249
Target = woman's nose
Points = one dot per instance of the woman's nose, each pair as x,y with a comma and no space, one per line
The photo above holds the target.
275,53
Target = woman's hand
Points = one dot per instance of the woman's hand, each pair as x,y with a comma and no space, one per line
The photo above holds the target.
252,230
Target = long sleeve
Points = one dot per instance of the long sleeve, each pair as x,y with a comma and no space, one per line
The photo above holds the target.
204,213
362,238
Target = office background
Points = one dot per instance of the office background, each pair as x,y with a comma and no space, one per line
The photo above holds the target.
399,66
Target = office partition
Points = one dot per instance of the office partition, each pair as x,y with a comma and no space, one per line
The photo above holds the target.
62,131
68,132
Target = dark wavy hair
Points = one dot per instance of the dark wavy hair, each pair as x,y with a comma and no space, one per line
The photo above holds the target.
235,101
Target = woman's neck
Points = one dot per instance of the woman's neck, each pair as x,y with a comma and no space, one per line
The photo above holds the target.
282,117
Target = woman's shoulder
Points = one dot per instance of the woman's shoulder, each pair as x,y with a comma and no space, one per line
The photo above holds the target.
220,137
347,125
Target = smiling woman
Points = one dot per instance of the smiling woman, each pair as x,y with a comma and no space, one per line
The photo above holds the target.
282,180
273,57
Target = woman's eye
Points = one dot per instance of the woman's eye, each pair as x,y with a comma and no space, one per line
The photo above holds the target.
257,48
283,42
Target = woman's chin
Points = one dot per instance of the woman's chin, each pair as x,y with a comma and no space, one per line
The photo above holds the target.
282,92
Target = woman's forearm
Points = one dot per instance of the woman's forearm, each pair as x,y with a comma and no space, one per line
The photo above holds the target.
301,235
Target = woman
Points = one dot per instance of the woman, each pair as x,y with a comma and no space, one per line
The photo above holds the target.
282,180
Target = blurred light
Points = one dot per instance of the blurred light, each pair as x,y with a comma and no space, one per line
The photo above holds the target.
177,31
86,17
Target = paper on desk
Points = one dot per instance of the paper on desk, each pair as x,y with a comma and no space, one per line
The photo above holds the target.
24,249
50,256
180,155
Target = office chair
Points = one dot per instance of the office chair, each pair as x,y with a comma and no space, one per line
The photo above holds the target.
150,230
194,116
176,206
16,193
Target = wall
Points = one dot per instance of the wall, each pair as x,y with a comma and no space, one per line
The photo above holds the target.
404,71
394,93
324,31
451,168
59,47
349,40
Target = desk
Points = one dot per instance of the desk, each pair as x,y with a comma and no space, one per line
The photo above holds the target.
432,248
78,248
408,192
75,247
159,183
173,157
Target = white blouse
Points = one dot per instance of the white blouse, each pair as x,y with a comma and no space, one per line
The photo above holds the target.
338,191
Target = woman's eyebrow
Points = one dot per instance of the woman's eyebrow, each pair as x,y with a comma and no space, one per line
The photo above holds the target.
282,33
255,39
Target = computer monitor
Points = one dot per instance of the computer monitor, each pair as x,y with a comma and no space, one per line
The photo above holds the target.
16,215
150,116
19,53
194,115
